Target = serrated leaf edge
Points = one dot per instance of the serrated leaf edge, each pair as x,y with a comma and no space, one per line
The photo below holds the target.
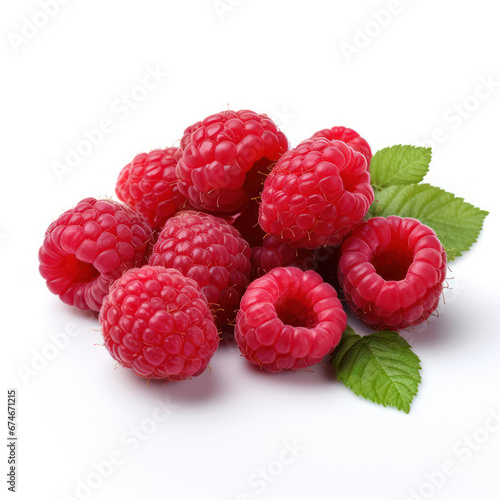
404,405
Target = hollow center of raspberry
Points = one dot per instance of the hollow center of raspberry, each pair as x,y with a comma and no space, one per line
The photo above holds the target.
291,311
392,264
78,271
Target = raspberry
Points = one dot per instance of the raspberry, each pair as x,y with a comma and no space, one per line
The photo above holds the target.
210,251
90,246
274,254
222,155
157,322
289,319
350,137
392,272
315,194
149,185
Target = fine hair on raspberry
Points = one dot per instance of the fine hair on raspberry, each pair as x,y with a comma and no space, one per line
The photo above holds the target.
90,246
315,194
392,272
158,323
221,159
212,252
289,319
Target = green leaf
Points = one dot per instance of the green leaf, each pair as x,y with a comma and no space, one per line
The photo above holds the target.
380,367
456,222
399,165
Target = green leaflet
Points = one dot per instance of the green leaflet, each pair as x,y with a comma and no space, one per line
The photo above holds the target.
399,165
380,367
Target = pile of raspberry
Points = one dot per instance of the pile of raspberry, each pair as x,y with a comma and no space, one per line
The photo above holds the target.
234,233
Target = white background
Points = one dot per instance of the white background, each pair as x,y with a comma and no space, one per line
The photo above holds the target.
284,58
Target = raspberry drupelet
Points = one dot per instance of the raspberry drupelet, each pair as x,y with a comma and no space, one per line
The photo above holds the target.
392,272
158,323
315,194
90,246
289,319
221,159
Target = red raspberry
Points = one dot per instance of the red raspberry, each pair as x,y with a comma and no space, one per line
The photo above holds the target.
274,254
392,272
289,319
90,246
315,194
157,322
350,137
149,185
210,251
222,155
